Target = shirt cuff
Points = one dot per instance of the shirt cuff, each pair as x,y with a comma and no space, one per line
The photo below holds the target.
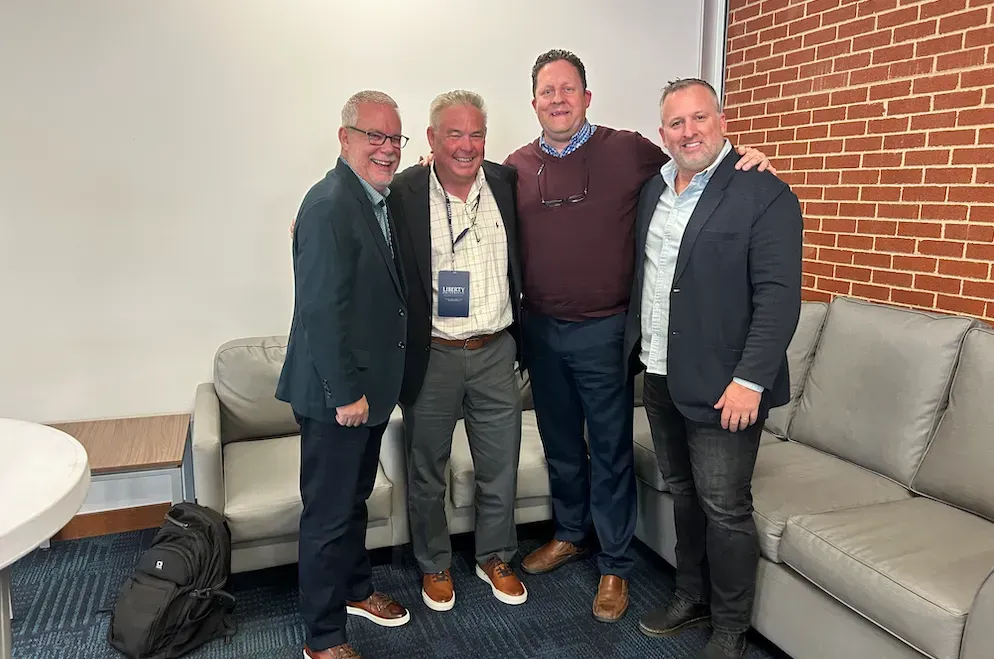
748,385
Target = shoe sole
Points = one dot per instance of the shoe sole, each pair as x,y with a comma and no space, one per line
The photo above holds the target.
673,631
382,622
501,595
567,561
438,606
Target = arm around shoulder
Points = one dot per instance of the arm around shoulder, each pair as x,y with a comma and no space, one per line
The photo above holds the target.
324,274
775,257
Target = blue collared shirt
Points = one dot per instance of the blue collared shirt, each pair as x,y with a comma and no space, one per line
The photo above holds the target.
575,142
662,246
379,201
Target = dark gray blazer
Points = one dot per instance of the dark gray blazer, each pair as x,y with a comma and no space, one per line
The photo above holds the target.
736,293
349,330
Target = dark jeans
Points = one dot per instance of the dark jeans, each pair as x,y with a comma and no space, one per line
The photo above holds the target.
578,374
337,471
709,473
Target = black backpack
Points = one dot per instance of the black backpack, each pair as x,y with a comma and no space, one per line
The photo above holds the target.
174,600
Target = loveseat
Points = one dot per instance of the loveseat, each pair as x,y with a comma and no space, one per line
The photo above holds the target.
246,462
873,490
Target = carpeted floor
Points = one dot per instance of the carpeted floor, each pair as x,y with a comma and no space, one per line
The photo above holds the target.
61,596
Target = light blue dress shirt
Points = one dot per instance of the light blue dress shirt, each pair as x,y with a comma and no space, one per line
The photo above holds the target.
662,246
379,201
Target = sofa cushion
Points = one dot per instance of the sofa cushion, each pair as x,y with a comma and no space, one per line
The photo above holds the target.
262,489
879,382
246,372
800,353
913,567
533,473
769,438
792,479
960,460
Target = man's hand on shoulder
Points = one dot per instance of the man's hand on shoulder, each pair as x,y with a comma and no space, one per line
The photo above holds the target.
353,414
739,407
753,157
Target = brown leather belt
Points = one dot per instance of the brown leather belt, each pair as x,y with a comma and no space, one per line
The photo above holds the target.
472,343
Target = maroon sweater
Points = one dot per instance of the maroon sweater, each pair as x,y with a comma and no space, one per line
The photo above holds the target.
578,259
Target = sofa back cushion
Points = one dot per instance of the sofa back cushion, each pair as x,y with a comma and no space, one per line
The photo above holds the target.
800,352
878,384
959,462
246,372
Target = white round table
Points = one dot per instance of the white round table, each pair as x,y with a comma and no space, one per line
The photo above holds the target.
44,478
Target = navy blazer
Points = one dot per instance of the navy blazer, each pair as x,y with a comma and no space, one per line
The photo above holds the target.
410,203
349,330
736,293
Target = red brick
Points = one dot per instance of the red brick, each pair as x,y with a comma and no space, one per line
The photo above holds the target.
941,248
985,175
804,25
980,252
869,75
817,6
909,106
963,21
960,305
902,176
835,255
833,285
833,49
824,178
815,296
920,229
853,273
908,141
817,268
842,193
850,96
923,193
836,225
929,121
899,245
821,239
854,144
952,138
882,160
981,213
828,115
945,212
931,157
915,67
978,117
979,194
905,212
913,298
975,78
855,242
915,263
871,292
841,15
845,161
877,227
874,260
965,269
980,233
958,100
940,7
967,156
891,90
945,175
809,133
833,81
867,7
861,177
866,111
938,284
980,37
872,40
979,289
888,278
947,44
786,45
893,53
961,60
857,27
915,31
891,125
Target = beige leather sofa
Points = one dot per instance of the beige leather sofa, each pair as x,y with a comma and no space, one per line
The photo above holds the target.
246,461
874,489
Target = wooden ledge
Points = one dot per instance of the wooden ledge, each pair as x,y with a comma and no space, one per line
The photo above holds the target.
131,444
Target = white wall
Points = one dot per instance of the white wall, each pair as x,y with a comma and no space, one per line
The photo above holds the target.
152,155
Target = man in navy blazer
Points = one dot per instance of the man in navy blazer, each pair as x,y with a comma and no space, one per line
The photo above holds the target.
714,304
343,369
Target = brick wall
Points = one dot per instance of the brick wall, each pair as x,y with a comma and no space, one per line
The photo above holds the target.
880,115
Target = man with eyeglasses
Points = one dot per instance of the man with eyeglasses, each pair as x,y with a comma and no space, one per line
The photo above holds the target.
458,240
578,189
343,369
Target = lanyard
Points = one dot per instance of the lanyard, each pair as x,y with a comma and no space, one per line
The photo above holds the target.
448,214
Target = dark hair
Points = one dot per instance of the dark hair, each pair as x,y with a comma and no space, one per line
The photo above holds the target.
683,83
554,56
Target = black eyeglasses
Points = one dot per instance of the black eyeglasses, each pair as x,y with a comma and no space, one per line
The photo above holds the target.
376,138
572,199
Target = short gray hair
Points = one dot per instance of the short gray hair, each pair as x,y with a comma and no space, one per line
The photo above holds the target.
453,98
350,112
676,85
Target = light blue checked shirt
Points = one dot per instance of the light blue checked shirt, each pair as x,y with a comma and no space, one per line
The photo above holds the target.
662,246
379,201
575,142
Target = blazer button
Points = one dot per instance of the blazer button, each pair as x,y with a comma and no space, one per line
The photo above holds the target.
400,312
400,345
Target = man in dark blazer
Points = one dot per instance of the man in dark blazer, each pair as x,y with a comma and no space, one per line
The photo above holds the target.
343,369
714,305
458,242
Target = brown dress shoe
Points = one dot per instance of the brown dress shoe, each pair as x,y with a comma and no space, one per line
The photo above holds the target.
552,555
344,651
437,591
611,601
380,609
505,585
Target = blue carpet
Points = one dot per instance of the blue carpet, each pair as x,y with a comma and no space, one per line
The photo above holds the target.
59,595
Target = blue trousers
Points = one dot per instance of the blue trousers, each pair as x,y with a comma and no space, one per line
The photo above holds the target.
578,377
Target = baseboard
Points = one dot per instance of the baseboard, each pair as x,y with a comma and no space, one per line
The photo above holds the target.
113,521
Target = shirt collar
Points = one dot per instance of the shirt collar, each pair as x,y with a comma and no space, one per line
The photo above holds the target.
375,196
575,142
436,185
669,170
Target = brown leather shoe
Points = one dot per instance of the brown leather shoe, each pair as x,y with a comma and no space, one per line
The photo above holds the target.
380,609
611,601
344,651
553,554
505,585
437,591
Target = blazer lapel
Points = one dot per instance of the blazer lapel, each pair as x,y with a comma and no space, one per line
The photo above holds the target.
706,205
372,224
647,208
417,213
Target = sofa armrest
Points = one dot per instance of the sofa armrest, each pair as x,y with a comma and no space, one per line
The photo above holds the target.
393,458
208,473
978,637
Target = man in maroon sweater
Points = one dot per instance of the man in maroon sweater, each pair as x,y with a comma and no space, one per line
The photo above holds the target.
578,189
